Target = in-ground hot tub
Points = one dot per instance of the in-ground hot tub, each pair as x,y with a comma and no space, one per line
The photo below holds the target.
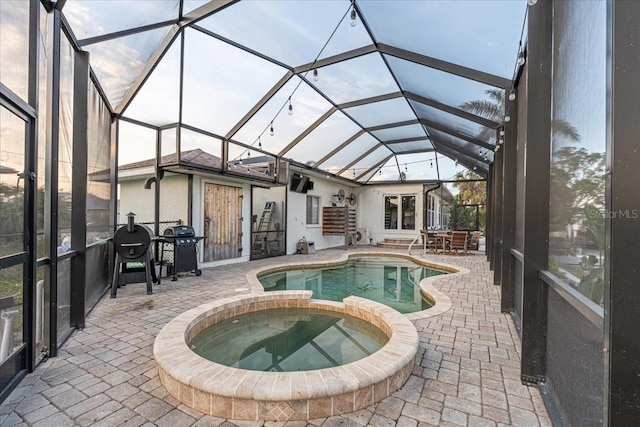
235,393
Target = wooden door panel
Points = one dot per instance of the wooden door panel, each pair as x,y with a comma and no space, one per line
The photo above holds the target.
222,212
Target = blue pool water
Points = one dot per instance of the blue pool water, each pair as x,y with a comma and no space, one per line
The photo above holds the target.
391,281
288,339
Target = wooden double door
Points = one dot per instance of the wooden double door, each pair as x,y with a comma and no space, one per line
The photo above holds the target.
222,222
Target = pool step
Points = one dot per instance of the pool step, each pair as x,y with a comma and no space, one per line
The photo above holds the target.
396,243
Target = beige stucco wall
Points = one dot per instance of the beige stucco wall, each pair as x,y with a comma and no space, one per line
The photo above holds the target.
297,228
173,201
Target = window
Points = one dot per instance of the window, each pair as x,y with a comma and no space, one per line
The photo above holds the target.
408,212
431,212
400,207
313,210
391,212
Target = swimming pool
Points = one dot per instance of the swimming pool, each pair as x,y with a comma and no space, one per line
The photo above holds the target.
392,281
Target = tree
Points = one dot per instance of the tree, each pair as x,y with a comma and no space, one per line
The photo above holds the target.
470,192
493,109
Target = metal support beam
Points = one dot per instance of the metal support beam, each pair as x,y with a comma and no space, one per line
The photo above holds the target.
452,110
453,133
51,178
338,148
536,192
31,199
243,121
447,67
345,56
468,162
371,100
496,218
79,187
151,65
125,33
376,166
307,131
489,217
622,294
509,196
393,125
357,159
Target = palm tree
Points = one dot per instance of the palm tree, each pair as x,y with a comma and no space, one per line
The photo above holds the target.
493,109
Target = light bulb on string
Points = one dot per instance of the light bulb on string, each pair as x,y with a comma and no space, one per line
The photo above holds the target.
405,168
521,58
501,132
496,148
532,2
501,141
290,107
380,172
507,118
259,143
353,17
512,95
248,153
456,162
271,129
475,168
354,173
431,163
315,74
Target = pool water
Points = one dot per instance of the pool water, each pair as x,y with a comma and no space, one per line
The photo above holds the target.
391,281
288,339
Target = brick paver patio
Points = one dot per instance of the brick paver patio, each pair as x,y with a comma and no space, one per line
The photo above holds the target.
466,372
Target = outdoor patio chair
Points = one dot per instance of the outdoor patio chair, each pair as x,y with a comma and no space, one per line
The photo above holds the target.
475,240
458,241
428,242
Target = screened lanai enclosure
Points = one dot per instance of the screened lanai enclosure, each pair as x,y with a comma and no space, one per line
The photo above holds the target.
211,113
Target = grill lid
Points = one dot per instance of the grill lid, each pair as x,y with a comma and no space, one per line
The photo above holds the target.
180,230
132,244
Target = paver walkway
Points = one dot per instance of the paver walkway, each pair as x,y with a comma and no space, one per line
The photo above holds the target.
466,372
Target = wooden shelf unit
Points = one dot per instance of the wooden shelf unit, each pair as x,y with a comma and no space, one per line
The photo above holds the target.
339,221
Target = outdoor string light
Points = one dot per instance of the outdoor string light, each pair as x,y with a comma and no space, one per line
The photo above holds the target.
311,69
353,16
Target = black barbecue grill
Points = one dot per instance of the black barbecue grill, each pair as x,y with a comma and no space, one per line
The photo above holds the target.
184,244
134,262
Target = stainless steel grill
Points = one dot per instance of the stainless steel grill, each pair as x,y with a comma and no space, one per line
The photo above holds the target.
184,244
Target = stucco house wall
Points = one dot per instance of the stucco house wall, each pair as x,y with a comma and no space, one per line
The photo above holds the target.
173,199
